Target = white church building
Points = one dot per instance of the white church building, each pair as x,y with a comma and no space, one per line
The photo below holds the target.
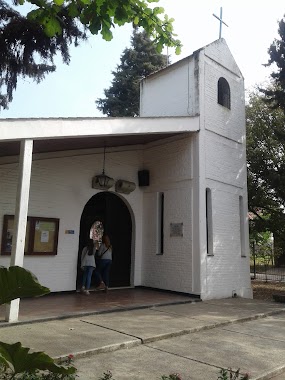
175,206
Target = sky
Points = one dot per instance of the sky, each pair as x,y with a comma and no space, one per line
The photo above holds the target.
72,90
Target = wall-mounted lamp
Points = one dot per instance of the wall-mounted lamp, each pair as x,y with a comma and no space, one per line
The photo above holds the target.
124,187
102,181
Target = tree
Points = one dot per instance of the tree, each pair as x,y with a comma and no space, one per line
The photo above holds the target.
141,59
266,167
275,96
26,51
28,43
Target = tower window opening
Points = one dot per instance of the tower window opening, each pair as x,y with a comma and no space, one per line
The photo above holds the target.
224,93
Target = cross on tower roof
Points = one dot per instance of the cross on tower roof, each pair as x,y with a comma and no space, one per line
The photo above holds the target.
221,21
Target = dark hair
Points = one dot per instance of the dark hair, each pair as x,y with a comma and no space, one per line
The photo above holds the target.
106,241
90,246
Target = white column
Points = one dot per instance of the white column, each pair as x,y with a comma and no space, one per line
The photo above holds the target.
198,202
20,220
199,282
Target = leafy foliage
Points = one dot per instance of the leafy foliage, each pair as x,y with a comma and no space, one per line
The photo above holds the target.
265,149
266,164
103,15
275,96
18,359
38,375
140,60
17,282
262,252
266,169
26,49
28,44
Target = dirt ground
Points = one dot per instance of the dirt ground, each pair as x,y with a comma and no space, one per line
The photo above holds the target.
263,290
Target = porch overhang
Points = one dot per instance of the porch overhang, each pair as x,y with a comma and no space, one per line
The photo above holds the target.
61,134
21,138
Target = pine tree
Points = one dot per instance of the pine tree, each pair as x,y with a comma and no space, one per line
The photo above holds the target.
275,96
27,51
29,43
137,62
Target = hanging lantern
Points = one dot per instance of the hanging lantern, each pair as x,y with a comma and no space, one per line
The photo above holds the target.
102,181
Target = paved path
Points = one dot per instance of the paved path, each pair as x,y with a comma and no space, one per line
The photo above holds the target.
194,339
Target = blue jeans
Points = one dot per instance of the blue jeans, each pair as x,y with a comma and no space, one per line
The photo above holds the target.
87,274
104,266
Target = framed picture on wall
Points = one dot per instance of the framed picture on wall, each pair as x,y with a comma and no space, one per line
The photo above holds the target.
41,235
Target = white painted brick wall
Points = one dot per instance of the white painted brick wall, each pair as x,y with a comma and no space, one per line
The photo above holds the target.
219,52
225,160
219,119
169,162
60,188
171,92
227,270
225,172
171,173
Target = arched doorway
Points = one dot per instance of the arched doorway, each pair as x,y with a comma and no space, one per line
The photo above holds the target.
109,209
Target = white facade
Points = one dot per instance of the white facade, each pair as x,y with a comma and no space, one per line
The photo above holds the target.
190,143
60,188
218,163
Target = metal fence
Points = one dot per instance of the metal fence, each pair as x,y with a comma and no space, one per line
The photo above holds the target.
267,272
265,261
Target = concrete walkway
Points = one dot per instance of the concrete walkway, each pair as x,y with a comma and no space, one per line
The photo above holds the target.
194,339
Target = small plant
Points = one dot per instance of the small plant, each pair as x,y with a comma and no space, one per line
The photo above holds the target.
106,376
228,374
172,376
225,374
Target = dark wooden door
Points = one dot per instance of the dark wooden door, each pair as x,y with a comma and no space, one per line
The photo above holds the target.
115,216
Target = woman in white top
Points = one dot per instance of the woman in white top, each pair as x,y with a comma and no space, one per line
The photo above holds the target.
105,261
87,265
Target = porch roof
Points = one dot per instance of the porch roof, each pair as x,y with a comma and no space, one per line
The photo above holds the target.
60,134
